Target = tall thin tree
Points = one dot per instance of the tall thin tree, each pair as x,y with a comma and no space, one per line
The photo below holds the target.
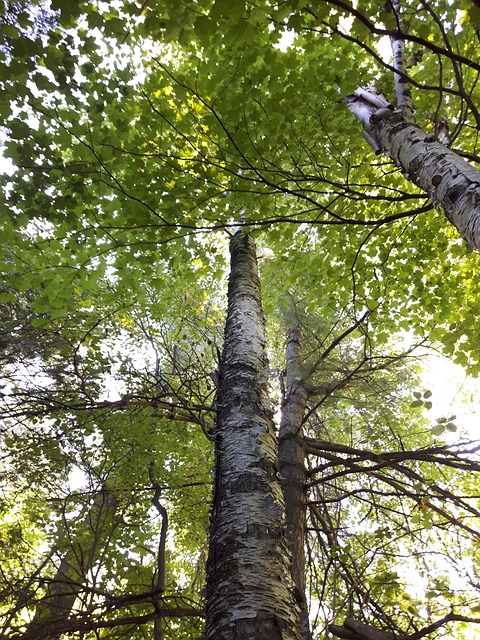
249,587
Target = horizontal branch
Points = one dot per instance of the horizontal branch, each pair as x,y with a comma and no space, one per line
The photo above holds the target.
354,630
47,403
53,628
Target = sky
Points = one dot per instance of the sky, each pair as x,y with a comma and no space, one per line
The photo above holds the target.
453,394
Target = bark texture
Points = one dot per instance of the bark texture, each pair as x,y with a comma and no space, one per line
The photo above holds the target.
402,86
249,586
449,180
291,458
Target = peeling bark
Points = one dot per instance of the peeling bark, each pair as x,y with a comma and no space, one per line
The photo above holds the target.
249,586
291,458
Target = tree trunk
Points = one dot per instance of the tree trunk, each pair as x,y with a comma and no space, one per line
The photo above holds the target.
449,180
249,586
291,458
402,86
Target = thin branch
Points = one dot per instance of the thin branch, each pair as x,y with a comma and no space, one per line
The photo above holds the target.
338,341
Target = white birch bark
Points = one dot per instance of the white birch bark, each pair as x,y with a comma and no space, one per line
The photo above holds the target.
401,84
249,586
291,458
450,181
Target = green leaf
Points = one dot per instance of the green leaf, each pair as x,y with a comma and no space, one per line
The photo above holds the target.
7,297
438,430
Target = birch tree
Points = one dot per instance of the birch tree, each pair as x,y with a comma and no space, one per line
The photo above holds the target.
291,459
449,180
249,585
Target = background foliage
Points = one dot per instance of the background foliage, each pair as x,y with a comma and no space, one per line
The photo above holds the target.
141,134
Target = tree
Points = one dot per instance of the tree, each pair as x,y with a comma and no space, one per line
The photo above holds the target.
291,461
446,177
141,136
249,585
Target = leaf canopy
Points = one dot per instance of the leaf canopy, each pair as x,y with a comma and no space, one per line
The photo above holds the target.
142,134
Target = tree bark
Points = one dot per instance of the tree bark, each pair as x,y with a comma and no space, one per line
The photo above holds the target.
249,586
161,569
402,86
291,458
449,180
